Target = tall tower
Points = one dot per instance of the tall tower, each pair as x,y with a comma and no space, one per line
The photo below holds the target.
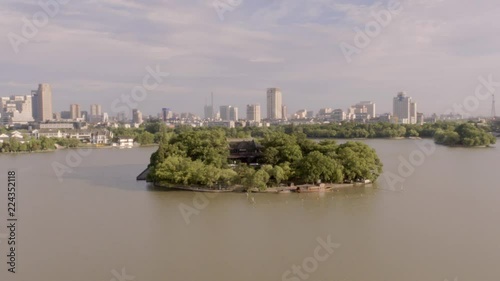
74,109
95,109
233,114
274,104
42,103
404,109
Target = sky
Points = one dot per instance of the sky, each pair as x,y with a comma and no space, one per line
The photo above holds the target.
98,51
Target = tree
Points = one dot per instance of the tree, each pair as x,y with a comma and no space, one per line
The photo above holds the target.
279,174
145,138
260,179
47,143
279,148
317,167
73,143
210,147
23,147
360,161
14,144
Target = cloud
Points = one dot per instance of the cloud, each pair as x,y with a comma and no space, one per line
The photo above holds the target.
95,50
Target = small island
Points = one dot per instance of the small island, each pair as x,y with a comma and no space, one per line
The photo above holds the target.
207,160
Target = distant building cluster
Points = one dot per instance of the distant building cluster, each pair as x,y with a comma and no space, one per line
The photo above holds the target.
35,110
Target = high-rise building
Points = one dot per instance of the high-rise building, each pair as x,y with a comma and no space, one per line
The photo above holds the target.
209,112
75,111
339,115
225,112
274,104
42,103
404,109
413,113
167,114
420,118
95,109
233,114
370,108
253,113
284,112
95,115
137,116
16,110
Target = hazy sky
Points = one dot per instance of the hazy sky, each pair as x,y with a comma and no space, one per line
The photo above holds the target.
96,50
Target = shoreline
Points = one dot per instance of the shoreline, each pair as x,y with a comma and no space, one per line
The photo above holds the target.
74,148
303,188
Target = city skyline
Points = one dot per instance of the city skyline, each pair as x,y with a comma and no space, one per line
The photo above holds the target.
428,51
360,111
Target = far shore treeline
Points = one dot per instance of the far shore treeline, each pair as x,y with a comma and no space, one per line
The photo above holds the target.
150,132
200,157
449,133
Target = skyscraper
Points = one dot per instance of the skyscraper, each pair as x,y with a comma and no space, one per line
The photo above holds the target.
274,104
75,111
95,109
233,114
225,112
404,109
167,114
413,113
253,113
42,103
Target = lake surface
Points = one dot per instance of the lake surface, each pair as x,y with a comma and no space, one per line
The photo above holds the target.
440,221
